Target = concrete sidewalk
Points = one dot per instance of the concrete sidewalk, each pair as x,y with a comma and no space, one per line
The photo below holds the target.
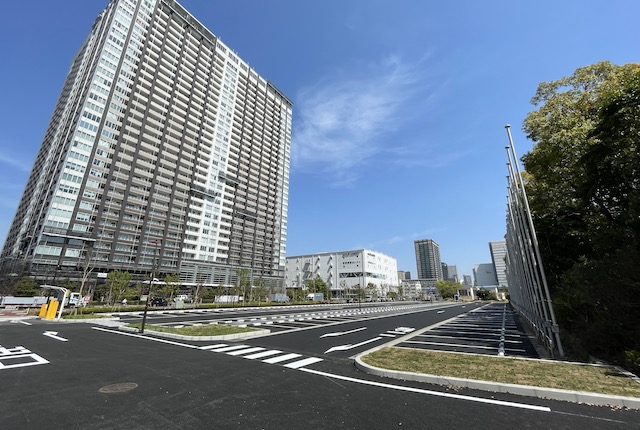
15,314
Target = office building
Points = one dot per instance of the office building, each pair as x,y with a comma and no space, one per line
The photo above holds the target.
344,271
499,258
402,275
428,259
166,153
450,273
467,280
485,275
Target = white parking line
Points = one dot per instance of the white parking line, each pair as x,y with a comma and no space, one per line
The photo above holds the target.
429,392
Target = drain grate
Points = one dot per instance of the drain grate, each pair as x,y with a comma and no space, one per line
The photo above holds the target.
118,388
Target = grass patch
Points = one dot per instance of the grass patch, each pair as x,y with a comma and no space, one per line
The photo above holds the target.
597,379
197,330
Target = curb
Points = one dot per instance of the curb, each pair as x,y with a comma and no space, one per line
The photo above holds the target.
522,390
236,336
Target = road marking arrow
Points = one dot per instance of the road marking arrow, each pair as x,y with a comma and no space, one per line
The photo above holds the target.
340,333
350,346
54,335
21,322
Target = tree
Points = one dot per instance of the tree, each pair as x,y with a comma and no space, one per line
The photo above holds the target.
26,287
447,289
372,290
583,185
118,285
244,285
485,294
317,285
172,285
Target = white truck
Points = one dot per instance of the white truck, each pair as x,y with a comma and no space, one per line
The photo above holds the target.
315,297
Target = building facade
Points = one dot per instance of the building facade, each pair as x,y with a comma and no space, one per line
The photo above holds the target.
428,259
450,273
402,275
344,271
484,275
166,153
499,258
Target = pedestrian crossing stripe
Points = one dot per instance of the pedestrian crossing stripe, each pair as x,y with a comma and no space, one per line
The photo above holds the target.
271,356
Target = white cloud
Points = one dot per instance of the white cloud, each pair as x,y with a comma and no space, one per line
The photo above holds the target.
8,160
342,119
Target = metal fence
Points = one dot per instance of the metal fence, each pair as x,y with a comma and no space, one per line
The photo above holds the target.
528,287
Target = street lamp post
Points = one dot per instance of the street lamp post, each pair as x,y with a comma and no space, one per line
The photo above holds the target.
153,279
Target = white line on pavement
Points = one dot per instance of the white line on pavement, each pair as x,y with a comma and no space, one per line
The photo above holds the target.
429,392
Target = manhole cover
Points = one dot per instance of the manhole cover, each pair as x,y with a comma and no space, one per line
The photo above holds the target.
118,388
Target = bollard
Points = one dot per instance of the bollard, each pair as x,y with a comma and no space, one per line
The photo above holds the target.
51,311
43,311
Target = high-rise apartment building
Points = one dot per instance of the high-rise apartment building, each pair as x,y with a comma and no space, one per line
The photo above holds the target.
428,259
166,153
499,258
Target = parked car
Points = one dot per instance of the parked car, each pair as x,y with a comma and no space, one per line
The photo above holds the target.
158,301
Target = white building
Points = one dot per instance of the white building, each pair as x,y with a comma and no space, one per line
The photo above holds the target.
344,271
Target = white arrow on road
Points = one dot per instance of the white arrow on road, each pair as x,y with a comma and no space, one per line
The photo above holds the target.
340,333
54,335
21,322
350,346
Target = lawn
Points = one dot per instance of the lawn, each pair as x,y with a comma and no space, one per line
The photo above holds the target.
561,375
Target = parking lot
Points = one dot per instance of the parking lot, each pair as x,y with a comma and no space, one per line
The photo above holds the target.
492,329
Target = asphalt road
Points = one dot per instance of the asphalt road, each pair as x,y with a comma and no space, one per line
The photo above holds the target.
80,376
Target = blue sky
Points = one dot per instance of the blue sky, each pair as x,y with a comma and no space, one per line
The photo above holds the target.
399,106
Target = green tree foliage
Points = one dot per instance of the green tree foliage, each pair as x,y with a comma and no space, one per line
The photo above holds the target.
583,184
118,284
447,289
372,290
26,287
172,285
317,285
485,294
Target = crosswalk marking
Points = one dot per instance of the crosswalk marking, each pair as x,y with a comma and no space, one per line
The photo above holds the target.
281,358
231,348
262,354
300,363
245,351
213,346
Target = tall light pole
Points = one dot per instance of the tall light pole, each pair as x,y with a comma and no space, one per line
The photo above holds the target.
153,279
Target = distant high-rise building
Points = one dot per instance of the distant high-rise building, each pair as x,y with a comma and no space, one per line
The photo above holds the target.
468,281
166,153
428,259
499,258
403,275
485,275
450,273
